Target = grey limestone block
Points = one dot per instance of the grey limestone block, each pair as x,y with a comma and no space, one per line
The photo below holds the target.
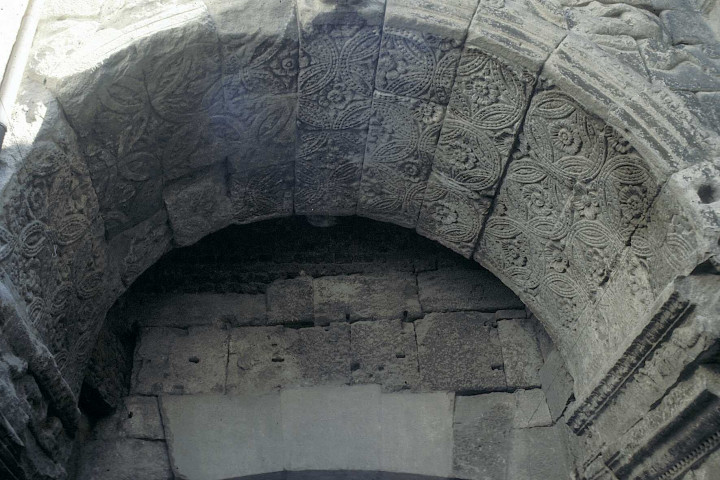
223,436
521,353
290,300
482,435
141,418
557,384
264,359
180,361
538,453
195,309
124,459
531,409
460,352
464,289
385,352
398,157
365,297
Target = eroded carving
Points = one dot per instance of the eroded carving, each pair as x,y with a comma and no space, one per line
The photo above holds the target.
574,193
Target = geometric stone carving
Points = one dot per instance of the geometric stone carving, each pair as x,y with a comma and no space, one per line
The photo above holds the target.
338,57
573,195
484,114
400,147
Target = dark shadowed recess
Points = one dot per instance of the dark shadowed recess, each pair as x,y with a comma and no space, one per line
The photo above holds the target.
246,258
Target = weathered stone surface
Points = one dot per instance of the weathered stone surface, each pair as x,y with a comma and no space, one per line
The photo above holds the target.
264,359
335,98
416,433
136,417
560,257
521,353
538,453
421,46
475,143
332,428
179,361
400,149
124,460
464,289
531,409
195,309
198,205
363,297
557,384
219,436
459,352
482,435
519,31
290,301
385,352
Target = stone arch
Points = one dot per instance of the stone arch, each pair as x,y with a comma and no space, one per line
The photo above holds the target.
509,138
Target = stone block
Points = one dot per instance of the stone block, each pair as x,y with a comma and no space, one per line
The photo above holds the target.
178,361
482,435
385,352
265,192
417,433
396,167
331,428
188,310
140,418
365,297
538,453
213,437
434,31
198,205
464,289
459,352
124,459
521,353
509,314
557,384
264,359
290,301
531,409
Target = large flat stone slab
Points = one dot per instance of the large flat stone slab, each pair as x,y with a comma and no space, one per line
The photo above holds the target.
124,459
385,352
213,437
365,297
456,289
538,453
417,433
483,427
328,428
459,352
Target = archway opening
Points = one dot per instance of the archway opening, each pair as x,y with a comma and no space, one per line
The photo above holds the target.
351,351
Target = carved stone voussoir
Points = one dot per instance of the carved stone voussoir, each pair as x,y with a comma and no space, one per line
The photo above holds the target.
262,193
452,215
400,147
488,102
327,172
574,193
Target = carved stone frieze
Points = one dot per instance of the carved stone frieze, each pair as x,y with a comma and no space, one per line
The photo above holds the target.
418,65
262,193
488,102
339,47
573,195
401,144
328,170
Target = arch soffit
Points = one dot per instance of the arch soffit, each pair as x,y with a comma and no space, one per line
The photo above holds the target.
144,157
